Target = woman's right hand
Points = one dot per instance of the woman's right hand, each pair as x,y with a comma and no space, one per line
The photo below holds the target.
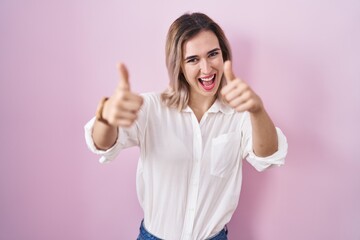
121,109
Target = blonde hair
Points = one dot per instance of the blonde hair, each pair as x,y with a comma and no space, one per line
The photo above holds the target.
181,30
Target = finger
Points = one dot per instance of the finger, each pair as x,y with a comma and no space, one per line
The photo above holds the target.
121,96
229,87
237,101
124,77
240,90
246,106
228,72
134,98
129,106
121,116
124,122
118,113
130,101
129,115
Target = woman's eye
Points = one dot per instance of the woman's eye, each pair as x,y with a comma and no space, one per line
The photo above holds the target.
192,60
213,54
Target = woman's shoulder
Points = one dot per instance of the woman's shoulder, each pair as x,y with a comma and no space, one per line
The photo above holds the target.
152,100
153,97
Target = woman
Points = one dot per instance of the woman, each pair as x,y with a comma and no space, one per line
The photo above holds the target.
192,137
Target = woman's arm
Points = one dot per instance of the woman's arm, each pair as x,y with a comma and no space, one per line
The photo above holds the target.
120,110
264,136
242,98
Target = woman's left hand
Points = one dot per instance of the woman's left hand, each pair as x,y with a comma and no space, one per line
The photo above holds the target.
238,94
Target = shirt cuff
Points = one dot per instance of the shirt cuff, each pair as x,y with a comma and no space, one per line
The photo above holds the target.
106,155
276,159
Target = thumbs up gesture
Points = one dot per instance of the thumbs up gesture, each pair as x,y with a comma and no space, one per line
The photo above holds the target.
238,94
123,106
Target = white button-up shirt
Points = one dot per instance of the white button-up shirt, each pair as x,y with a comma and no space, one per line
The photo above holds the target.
189,173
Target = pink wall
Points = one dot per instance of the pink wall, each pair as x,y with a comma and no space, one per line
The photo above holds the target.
58,60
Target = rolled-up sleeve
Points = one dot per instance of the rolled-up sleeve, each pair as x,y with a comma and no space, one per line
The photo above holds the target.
126,138
276,159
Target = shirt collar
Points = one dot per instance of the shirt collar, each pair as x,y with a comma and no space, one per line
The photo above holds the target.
217,106
220,106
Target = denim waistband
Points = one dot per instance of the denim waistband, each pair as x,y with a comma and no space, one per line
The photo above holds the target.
146,235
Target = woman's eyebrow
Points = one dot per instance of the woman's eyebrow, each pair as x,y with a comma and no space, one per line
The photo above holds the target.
190,57
209,52
214,50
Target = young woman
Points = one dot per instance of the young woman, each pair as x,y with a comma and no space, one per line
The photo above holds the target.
192,137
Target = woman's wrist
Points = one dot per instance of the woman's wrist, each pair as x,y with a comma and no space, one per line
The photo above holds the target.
100,110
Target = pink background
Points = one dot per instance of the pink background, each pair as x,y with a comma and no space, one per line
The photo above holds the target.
58,59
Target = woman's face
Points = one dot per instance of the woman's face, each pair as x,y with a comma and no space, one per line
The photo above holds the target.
203,64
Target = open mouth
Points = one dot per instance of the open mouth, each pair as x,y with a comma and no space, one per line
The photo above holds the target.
208,82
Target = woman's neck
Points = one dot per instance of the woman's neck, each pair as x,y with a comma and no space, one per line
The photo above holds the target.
200,104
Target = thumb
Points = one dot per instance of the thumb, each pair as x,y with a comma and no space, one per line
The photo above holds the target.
124,77
228,72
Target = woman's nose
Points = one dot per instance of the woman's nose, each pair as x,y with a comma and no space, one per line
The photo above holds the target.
205,66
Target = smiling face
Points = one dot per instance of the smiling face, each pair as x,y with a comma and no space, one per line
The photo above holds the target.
203,65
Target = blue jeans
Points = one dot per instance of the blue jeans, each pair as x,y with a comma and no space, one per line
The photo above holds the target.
145,235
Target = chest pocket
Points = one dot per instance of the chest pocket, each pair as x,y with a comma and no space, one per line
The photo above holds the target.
224,153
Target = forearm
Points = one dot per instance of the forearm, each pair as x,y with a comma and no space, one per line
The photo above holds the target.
265,140
104,135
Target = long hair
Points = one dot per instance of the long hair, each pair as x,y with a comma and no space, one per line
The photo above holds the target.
181,30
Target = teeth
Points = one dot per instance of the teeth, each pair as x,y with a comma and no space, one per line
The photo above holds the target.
207,79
